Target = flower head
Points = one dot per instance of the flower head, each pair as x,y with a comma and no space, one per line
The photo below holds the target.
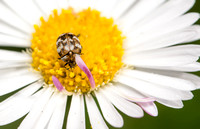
119,54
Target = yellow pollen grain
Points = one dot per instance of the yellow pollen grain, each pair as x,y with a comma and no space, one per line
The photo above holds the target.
101,43
71,74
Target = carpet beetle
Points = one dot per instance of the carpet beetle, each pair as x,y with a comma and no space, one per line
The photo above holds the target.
68,45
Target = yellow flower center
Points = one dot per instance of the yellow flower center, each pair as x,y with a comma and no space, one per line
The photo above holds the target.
101,43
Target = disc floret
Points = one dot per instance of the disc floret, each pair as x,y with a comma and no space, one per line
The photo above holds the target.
101,43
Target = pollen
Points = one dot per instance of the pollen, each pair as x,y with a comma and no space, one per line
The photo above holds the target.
101,42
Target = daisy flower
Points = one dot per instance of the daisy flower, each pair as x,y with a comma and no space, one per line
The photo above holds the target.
95,56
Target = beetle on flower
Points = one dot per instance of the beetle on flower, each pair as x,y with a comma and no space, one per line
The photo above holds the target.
126,54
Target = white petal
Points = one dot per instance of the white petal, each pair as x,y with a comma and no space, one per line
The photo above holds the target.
13,65
7,55
9,30
15,108
25,93
193,67
165,13
149,108
151,89
36,110
14,83
57,118
47,112
78,4
8,73
173,104
186,76
6,40
131,93
10,115
188,68
178,37
11,18
105,6
123,105
76,116
192,78
109,112
161,80
127,92
63,3
121,7
47,5
171,56
95,117
156,61
175,25
186,95
26,9
174,50
140,10
196,30
164,31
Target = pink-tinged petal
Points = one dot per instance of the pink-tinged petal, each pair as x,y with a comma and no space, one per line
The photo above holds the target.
141,100
57,83
130,95
85,69
59,86
149,108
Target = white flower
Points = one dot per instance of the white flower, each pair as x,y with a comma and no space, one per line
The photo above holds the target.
155,63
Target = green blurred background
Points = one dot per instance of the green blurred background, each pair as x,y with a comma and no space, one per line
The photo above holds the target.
168,118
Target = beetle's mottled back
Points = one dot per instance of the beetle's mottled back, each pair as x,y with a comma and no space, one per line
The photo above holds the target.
68,45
